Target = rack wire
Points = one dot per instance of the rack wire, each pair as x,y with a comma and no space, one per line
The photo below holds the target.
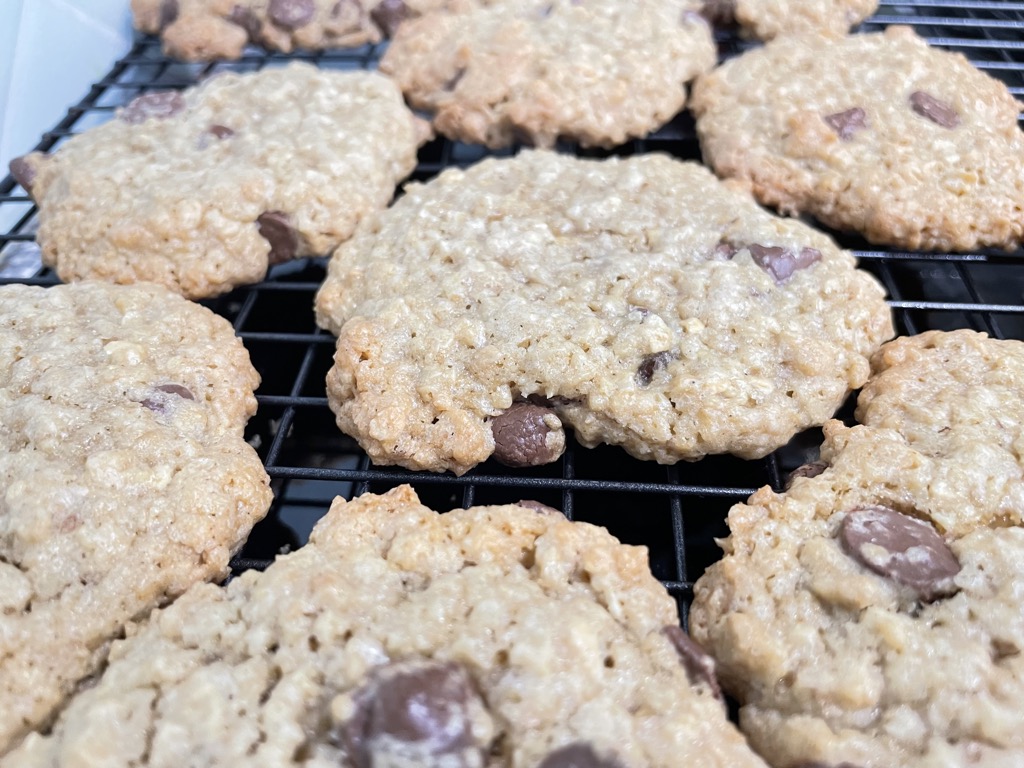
675,511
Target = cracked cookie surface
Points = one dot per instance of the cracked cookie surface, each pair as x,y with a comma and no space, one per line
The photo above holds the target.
493,637
639,301
124,475
910,146
204,189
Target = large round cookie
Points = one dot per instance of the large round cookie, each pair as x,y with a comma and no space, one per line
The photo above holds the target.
640,301
767,19
910,146
856,633
124,476
599,72
202,190
497,637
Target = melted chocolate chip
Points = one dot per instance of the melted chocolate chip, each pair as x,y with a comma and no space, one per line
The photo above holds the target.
577,756
412,715
247,20
699,666
939,112
902,548
536,506
291,14
158,105
23,172
168,13
521,436
847,123
811,469
388,15
276,229
650,365
782,263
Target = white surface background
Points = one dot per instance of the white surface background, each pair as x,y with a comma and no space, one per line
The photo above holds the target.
51,51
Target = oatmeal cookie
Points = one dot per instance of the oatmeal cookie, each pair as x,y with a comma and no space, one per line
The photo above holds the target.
639,301
124,475
767,19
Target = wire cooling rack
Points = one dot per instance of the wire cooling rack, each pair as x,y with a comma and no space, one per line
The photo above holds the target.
676,511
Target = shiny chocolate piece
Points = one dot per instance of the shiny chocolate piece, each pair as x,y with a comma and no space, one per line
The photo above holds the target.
810,469
276,229
23,172
578,755
848,122
388,15
699,666
158,105
939,112
904,549
783,263
291,14
650,365
177,389
160,404
521,436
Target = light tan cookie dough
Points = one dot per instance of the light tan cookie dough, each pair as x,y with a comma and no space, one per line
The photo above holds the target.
600,72
202,190
497,637
855,632
639,301
910,146
767,19
124,476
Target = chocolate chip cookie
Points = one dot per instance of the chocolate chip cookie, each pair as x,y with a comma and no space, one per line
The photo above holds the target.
599,72
124,475
880,134
491,637
767,19
639,301
203,190
871,616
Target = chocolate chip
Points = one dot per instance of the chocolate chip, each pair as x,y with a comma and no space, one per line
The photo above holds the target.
159,405
810,469
781,263
521,436
650,365
408,716
158,105
168,13
939,112
389,14
220,131
902,548
577,756
536,506
291,14
177,389
724,252
247,20
847,123
719,12
23,172
276,228
699,666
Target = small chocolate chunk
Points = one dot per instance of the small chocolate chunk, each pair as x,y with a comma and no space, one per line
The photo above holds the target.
160,404
168,13
847,123
276,229
158,105
291,14
521,436
220,131
810,469
23,172
247,20
177,389
939,112
699,666
651,364
536,506
388,15
724,252
781,263
411,715
721,13
902,548
577,756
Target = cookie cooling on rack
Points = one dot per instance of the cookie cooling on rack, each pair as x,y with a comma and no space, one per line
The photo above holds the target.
124,475
767,19
639,301
203,190
493,637
908,145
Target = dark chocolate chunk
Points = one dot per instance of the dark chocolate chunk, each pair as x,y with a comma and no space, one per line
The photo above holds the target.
724,252
168,13
699,666
177,389
220,131
810,469
413,714
158,105
650,365
388,15
23,172
781,263
536,506
847,123
902,548
291,14
520,436
247,20
939,112
159,404
276,228
577,756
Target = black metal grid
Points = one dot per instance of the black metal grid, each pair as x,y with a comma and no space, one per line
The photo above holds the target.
676,511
